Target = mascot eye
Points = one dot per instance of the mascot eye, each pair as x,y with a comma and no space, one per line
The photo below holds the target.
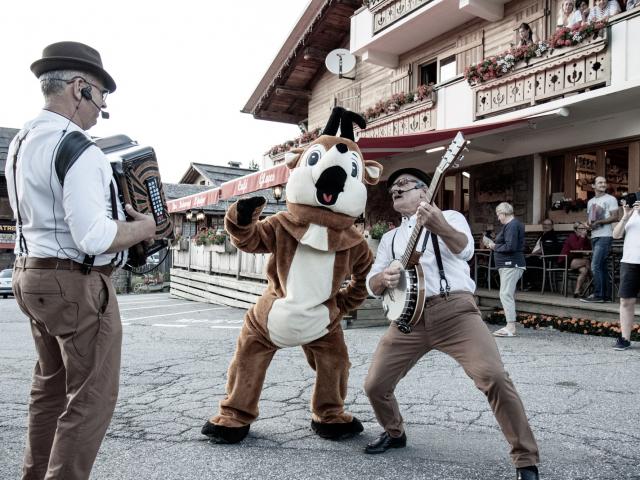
313,158
354,169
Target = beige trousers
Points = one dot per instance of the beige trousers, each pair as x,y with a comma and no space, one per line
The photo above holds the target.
454,327
75,323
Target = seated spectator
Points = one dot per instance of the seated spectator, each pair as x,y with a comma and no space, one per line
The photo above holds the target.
603,9
580,14
526,35
564,14
577,241
547,244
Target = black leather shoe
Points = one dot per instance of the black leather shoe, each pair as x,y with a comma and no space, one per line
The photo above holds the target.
385,442
220,434
527,473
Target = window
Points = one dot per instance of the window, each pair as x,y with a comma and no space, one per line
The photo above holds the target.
447,68
428,73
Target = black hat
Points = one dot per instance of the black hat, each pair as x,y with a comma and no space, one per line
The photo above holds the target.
419,174
72,56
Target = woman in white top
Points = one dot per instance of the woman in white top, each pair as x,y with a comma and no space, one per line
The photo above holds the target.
564,14
580,14
603,10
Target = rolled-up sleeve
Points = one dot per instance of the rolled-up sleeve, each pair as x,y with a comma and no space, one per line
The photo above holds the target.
384,257
459,223
87,202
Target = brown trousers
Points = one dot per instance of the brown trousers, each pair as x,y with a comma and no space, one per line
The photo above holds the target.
327,356
454,327
75,323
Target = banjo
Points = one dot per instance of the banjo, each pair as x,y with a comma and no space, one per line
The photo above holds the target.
404,303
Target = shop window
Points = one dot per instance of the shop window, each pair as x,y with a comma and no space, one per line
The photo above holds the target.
617,170
429,73
189,229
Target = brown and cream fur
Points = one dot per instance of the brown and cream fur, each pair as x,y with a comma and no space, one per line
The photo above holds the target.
314,248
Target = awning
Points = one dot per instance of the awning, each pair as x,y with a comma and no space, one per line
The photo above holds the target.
197,200
373,148
253,182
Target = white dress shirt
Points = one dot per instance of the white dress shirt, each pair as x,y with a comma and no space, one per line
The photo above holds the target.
456,268
57,222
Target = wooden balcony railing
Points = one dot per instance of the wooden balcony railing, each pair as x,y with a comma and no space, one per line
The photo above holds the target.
387,12
409,119
561,72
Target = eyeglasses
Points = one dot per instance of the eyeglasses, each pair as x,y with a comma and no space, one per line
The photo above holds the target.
103,91
398,187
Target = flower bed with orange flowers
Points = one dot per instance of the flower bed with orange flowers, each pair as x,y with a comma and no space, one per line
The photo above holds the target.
573,325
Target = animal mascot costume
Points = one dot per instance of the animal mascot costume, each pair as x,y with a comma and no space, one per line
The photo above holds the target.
314,248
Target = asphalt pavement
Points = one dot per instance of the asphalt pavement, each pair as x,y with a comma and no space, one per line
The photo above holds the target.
581,396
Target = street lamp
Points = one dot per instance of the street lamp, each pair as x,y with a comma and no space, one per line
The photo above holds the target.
200,216
189,215
277,193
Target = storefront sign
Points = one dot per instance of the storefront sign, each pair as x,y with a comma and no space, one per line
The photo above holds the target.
253,182
198,200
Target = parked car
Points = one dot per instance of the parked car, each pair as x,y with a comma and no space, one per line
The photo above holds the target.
5,282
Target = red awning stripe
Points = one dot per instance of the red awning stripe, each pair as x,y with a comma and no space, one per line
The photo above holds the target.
253,182
197,200
385,146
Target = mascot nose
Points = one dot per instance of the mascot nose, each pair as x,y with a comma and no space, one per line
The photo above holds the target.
342,148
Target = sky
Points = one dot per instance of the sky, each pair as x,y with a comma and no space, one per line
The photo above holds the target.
183,69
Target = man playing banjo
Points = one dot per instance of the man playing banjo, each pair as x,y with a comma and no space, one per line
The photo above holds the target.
450,322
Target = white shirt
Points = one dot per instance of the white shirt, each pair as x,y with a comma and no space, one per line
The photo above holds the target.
456,268
61,223
601,208
631,248
611,8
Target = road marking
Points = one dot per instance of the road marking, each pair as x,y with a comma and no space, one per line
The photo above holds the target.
155,305
177,313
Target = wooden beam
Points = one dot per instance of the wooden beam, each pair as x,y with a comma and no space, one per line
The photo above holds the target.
279,117
294,92
313,53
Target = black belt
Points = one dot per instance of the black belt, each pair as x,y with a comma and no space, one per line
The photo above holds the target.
51,263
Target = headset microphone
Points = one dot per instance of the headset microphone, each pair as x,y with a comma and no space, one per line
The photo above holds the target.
86,94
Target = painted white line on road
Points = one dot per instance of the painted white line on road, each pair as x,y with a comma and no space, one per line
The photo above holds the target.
167,325
174,314
155,305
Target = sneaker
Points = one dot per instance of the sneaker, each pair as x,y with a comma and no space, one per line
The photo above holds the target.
622,344
592,299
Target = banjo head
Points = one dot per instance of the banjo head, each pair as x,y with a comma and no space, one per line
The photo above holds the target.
394,299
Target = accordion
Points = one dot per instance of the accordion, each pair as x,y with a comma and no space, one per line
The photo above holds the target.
135,169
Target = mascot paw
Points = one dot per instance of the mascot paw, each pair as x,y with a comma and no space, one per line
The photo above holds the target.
220,434
337,431
246,207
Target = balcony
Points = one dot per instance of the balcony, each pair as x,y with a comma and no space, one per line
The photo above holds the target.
386,29
412,118
560,73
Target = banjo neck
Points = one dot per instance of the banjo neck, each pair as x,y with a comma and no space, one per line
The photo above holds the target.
410,256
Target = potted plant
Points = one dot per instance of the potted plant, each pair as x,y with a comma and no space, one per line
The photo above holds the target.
221,242
375,233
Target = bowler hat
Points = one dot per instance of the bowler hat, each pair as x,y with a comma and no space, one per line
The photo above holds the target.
72,56
419,174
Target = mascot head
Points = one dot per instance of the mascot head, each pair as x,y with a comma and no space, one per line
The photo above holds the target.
331,173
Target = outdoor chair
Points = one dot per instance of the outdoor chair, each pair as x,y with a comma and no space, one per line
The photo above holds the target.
551,269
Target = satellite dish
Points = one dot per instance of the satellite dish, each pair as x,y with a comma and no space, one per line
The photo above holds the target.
340,61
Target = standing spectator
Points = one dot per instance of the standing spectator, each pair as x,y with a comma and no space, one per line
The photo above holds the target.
602,211
632,4
603,9
580,14
628,227
509,258
526,35
564,14
576,261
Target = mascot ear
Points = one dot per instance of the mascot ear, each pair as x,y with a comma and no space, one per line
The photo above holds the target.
331,128
292,156
346,126
372,172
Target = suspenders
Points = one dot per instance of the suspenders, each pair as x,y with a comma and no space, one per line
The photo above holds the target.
22,242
